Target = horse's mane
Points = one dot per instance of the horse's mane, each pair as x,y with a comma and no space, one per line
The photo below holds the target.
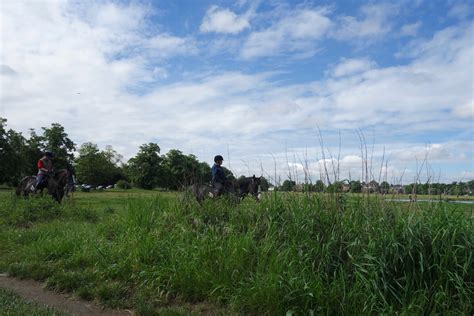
61,175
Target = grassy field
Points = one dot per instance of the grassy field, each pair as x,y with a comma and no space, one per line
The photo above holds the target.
293,254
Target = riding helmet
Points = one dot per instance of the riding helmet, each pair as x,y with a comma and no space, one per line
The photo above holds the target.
218,158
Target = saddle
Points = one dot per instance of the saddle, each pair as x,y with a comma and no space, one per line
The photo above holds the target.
43,183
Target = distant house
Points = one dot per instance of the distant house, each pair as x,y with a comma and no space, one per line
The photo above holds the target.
397,189
371,187
345,187
298,187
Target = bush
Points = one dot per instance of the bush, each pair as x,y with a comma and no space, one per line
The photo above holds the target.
122,184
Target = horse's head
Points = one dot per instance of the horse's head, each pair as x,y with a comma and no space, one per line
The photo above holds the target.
57,186
254,187
256,180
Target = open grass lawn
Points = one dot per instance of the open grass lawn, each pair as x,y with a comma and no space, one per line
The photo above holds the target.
290,254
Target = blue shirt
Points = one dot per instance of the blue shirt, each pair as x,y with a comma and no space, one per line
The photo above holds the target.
218,174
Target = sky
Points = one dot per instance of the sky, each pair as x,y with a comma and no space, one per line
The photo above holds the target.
332,90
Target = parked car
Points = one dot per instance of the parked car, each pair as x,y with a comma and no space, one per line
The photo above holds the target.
86,187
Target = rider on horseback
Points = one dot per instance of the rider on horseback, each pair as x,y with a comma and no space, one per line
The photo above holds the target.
45,168
218,175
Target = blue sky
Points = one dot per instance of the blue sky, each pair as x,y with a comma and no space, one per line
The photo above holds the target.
256,81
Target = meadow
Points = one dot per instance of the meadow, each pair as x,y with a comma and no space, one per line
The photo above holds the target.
291,254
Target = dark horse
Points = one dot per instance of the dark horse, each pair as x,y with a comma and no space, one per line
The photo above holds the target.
235,188
56,185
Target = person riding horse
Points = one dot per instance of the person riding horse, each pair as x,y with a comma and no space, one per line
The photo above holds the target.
45,169
218,176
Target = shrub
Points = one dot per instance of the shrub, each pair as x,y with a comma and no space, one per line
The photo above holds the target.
122,184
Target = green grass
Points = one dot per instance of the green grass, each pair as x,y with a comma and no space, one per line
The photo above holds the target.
12,304
322,254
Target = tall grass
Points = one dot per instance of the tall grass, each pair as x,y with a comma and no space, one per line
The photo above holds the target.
296,254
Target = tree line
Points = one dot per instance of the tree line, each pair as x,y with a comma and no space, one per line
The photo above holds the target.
356,186
149,168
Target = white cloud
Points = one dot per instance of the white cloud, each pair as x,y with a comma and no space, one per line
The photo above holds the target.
465,110
222,20
65,67
460,10
373,23
6,70
295,32
352,66
410,29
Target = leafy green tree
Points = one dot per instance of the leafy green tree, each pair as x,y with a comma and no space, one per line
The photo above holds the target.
228,174
181,170
335,187
204,172
264,184
384,187
97,167
288,185
56,140
13,164
319,186
356,186
33,151
145,169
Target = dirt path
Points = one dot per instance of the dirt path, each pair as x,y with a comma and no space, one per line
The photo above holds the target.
34,292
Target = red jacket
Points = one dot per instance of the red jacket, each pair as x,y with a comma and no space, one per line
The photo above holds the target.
46,164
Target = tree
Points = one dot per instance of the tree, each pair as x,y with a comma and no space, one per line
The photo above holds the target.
356,186
181,170
384,187
204,173
145,169
228,174
288,185
264,184
33,151
319,186
98,167
13,164
56,140
335,187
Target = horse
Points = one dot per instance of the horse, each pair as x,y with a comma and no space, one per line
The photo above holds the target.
249,185
237,189
201,191
56,184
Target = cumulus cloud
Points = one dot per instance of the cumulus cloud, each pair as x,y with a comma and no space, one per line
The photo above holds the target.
77,67
220,20
297,31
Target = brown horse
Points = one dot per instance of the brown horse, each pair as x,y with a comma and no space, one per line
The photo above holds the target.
55,186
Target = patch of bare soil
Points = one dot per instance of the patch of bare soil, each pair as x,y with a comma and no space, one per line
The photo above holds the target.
34,292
